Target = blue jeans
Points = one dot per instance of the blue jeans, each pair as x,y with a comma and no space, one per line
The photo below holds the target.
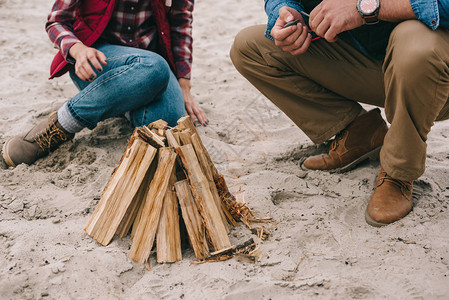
134,80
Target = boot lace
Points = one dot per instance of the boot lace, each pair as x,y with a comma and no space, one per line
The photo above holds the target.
400,183
336,141
50,137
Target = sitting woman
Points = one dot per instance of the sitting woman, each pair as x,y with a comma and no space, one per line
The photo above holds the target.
126,57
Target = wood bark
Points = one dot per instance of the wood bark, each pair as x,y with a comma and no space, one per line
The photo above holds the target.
120,191
149,220
204,198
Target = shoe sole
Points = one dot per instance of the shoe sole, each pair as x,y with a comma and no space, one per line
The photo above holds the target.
6,157
372,222
372,155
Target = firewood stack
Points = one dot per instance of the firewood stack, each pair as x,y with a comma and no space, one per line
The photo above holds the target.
162,168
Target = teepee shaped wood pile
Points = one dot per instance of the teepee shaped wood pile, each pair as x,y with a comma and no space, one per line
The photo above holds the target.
165,172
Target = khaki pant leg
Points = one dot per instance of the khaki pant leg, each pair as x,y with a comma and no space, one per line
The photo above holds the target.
317,90
417,88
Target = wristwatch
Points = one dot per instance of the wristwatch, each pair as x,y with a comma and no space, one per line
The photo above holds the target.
369,10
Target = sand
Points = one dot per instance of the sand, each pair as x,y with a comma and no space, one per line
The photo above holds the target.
322,248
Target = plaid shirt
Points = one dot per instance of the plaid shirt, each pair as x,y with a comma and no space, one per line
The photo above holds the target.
131,25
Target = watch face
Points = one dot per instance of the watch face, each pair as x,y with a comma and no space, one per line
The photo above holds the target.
368,6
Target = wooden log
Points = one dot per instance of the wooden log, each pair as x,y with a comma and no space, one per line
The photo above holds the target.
192,220
171,140
120,191
186,123
150,137
176,136
207,168
168,236
159,127
185,136
133,209
204,198
149,220
144,194
159,124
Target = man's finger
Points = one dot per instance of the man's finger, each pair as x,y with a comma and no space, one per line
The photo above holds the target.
315,18
289,40
280,33
304,46
331,34
322,28
285,16
298,42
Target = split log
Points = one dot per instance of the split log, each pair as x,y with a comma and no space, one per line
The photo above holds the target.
185,136
150,137
192,219
149,220
204,198
168,236
186,123
171,140
136,221
120,191
207,167
133,209
159,127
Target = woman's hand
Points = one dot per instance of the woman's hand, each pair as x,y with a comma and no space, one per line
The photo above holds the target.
86,57
192,108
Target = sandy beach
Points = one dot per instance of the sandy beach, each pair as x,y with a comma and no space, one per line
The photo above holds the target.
321,247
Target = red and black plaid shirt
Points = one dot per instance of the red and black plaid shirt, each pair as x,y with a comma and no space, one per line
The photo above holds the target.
131,25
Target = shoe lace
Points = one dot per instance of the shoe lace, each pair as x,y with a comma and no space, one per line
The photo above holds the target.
400,183
335,142
50,137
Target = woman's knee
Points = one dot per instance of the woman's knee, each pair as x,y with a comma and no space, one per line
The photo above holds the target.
153,69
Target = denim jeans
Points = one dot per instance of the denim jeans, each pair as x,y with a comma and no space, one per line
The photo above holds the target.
135,81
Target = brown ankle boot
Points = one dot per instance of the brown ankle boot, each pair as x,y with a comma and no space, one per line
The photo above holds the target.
38,142
391,200
360,140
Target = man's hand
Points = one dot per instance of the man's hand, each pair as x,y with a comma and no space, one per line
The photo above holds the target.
294,39
332,17
86,57
192,108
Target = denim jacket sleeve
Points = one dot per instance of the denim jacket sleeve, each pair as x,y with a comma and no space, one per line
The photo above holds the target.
431,12
272,9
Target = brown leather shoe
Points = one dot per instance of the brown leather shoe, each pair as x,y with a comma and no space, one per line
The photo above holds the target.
36,143
391,200
360,140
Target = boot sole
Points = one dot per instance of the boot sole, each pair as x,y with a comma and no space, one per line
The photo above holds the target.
6,157
372,222
372,155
